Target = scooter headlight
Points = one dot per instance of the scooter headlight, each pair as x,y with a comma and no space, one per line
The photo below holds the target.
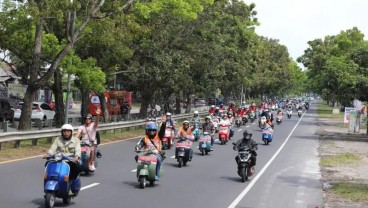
58,156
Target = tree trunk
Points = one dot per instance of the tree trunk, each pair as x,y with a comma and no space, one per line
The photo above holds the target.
25,117
189,103
178,106
147,93
85,103
57,90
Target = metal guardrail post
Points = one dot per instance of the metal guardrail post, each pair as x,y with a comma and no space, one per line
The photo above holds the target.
38,124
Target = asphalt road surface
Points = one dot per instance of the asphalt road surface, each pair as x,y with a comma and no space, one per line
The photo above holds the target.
287,175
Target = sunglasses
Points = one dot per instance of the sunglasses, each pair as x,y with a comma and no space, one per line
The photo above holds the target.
152,130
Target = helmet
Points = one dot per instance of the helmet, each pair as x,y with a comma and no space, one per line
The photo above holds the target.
151,126
217,108
195,112
266,109
168,114
212,106
67,127
88,116
247,135
186,122
208,117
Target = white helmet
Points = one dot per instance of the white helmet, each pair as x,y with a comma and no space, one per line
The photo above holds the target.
212,106
67,127
168,114
195,112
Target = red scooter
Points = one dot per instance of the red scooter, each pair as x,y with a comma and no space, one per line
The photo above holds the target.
224,134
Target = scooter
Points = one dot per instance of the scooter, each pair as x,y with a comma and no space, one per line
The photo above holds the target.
56,180
238,121
279,119
252,116
224,134
166,140
205,143
86,150
215,121
300,113
267,135
245,119
244,162
182,152
289,112
146,168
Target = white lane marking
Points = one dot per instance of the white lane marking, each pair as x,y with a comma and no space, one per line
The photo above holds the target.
251,184
217,140
172,157
89,186
239,130
135,170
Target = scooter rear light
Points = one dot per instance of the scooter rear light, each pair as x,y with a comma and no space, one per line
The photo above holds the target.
44,176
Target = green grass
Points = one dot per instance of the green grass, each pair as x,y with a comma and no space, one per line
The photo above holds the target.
325,111
352,191
339,160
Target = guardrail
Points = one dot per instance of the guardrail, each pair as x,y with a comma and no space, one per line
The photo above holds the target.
51,133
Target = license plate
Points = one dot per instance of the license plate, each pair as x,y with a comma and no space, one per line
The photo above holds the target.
181,154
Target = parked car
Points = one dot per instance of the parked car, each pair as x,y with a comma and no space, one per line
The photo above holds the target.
6,111
40,111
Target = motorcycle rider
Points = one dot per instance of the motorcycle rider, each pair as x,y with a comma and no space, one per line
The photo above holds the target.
217,112
152,141
280,113
247,142
70,147
87,133
222,107
266,113
186,133
207,126
170,123
212,110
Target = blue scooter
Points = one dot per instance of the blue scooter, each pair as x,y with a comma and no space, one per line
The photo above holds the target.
267,135
205,143
56,180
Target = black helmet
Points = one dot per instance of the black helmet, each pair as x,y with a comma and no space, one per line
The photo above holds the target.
247,135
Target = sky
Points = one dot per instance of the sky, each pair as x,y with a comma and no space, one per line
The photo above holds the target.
295,22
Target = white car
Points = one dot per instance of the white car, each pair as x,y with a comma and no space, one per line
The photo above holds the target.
40,111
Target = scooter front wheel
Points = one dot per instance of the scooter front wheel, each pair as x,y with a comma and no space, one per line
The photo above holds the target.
180,161
50,200
142,182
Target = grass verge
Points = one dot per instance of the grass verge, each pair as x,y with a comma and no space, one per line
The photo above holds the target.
325,111
352,191
339,160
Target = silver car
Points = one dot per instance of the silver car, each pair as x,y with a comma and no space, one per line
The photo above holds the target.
40,110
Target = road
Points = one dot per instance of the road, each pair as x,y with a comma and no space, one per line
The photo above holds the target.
287,175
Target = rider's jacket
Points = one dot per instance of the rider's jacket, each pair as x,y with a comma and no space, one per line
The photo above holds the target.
149,145
69,148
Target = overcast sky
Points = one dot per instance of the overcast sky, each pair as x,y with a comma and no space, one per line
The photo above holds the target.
295,22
